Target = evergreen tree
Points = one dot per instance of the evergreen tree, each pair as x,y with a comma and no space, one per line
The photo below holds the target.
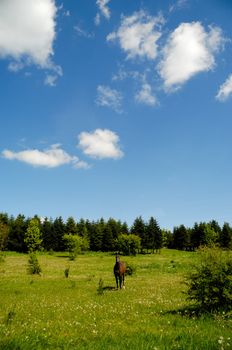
17,229
154,235
124,228
71,226
4,230
226,236
139,228
96,235
48,235
107,239
59,232
115,227
197,235
181,237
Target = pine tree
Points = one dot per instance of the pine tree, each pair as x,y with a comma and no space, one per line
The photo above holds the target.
59,232
48,235
17,229
226,236
181,237
71,226
139,228
154,235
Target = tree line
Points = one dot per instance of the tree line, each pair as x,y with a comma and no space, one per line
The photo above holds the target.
111,235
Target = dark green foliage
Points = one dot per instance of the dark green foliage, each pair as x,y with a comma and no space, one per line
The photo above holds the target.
66,271
96,235
130,269
103,235
59,232
33,265
48,236
210,284
226,236
181,237
108,242
139,228
154,237
17,229
71,226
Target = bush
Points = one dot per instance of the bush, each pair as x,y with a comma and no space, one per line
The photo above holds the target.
75,245
128,244
210,284
100,289
33,265
130,269
66,271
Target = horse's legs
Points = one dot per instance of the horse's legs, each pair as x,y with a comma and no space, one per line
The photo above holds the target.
123,278
120,281
116,279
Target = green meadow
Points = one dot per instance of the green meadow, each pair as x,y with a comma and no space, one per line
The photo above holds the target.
52,311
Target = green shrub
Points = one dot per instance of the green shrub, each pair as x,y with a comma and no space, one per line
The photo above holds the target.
33,265
75,245
100,289
210,284
130,269
66,271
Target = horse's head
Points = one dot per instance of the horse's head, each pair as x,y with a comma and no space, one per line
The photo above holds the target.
117,258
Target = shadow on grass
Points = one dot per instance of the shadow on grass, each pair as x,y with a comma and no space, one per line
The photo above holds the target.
195,311
109,288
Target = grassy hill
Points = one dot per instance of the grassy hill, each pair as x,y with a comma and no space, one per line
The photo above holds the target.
54,312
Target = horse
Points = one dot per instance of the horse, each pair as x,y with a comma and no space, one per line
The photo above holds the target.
119,272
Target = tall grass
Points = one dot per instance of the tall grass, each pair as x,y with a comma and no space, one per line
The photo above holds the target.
54,312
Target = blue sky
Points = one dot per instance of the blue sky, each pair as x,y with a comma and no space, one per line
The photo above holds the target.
116,108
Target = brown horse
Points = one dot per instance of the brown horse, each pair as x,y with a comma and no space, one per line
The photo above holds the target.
119,272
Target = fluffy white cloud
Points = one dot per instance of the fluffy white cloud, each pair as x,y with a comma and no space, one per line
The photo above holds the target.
27,31
189,50
225,90
138,35
146,96
49,158
100,144
108,97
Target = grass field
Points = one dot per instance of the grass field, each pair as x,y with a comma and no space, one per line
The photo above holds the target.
54,312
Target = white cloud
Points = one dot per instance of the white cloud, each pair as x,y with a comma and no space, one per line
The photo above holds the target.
146,96
225,90
108,97
27,32
189,50
100,144
138,35
50,158
103,8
